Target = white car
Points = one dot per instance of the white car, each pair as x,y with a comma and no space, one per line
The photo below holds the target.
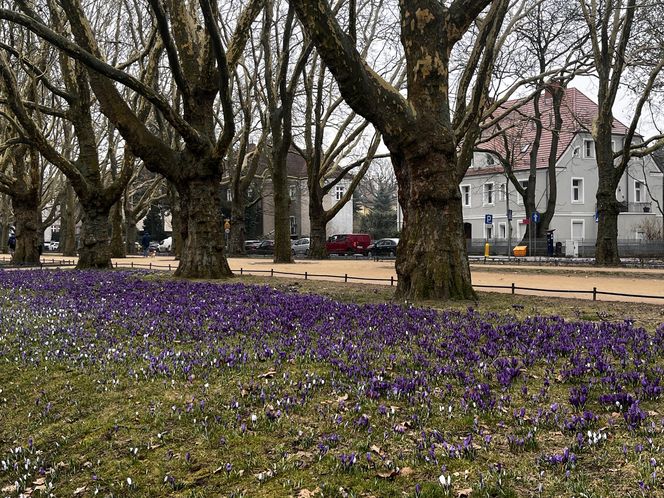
165,245
53,245
300,247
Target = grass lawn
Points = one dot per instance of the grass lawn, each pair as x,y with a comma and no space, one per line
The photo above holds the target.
130,384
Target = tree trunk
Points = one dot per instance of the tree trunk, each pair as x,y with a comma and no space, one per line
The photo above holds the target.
318,235
282,240
117,244
238,228
28,224
606,245
203,251
94,248
68,223
432,262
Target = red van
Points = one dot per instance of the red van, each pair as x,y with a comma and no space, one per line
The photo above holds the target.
348,243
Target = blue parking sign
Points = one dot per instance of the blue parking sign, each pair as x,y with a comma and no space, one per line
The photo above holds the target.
488,219
536,217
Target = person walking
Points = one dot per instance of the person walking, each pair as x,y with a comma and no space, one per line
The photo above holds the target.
145,243
12,243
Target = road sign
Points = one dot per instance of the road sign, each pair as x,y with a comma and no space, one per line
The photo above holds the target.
227,226
227,230
488,219
509,215
536,217
596,217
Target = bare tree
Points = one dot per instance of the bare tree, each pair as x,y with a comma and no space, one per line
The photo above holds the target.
418,129
199,64
624,35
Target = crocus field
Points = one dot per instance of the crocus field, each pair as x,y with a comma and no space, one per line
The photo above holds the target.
127,384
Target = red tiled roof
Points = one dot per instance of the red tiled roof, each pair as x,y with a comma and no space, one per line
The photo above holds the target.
577,112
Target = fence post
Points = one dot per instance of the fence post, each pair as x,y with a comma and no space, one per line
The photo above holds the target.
346,278
240,270
169,267
272,272
594,293
132,264
513,288
150,265
306,275
391,281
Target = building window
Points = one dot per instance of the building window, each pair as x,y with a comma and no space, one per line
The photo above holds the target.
489,160
577,190
588,148
229,195
502,191
519,197
638,191
338,192
293,225
502,230
465,195
488,232
292,191
488,194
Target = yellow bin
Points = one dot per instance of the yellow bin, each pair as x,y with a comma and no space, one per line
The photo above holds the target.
520,251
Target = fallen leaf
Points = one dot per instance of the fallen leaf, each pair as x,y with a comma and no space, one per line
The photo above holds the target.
8,489
388,474
377,450
406,471
80,491
343,398
464,493
268,375
39,482
305,493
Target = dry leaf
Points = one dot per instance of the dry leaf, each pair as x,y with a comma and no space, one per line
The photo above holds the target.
305,493
8,489
406,471
80,491
465,493
39,482
388,474
268,375
377,450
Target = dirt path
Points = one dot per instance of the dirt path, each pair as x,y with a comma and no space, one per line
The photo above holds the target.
627,281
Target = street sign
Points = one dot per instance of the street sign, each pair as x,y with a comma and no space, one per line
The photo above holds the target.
536,217
488,219
596,217
227,230
509,215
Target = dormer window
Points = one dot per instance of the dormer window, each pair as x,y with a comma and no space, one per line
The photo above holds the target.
489,160
588,149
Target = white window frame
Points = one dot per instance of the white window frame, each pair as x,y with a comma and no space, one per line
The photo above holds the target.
292,192
339,192
588,153
581,198
502,191
519,197
639,190
521,228
229,195
487,229
463,195
489,160
583,228
502,230
485,192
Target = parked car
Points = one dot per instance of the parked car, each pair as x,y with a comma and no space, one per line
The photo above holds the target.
165,245
348,243
52,245
300,247
265,247
250,245
383,247
154,246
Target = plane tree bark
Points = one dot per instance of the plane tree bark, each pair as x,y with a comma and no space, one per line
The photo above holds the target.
199,64
431,257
